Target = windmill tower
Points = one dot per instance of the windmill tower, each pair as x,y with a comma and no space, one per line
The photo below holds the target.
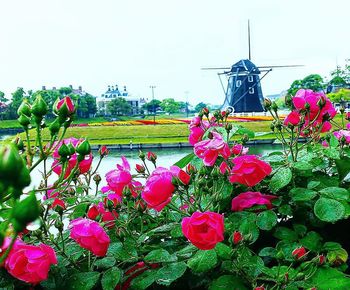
243,92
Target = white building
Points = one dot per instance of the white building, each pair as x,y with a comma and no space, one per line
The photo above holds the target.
112,93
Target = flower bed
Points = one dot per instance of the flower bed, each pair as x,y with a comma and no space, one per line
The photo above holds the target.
220,218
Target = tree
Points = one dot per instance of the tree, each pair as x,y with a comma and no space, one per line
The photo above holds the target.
340,96
65,91
2,97
200,106
17,98
313,82
152,106
170,106
118,107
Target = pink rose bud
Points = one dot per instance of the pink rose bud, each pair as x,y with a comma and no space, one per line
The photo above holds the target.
204,230
205,111
321,259
140,168
65,107
191,169
103,151
151,156
90,235
299,253
224,168
58,204
28,263
237,237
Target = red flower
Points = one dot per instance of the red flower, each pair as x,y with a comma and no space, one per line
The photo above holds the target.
65,107
151,156
183,176
237,237
204,230
292,119
58,203
249,170
299,253
158,189
103,151
321,259
140,168
248,199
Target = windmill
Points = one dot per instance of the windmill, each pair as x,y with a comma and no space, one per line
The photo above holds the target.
243,92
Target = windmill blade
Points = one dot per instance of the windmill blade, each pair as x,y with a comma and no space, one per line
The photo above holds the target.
208,68
280,66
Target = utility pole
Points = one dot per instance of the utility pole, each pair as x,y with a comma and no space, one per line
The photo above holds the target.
154,111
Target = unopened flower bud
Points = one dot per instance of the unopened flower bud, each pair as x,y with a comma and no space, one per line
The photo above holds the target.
140,168
245,138
83,147
274,106
55,127
24,121
18,142
205,112
39,107
63,151
65,107
347,116
321,102
191,169
267,103
24,109
228,127
103,151
59,225
341,110
11,163
97,178
237,237
299,253
151,157
141,155
71,149
272,126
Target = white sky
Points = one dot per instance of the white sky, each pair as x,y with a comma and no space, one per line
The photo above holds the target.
139,43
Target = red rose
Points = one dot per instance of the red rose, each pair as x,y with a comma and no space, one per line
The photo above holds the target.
204,230
299,253
249,170
248,199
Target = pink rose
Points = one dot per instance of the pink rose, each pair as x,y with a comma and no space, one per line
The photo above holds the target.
248,199
204,230
196,135
159,189
249,170
239,149
119,178
224,168
210,149
89,235
28,263
343,133
292,119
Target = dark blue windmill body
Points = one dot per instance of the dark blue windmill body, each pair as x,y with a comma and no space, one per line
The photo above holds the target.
243,91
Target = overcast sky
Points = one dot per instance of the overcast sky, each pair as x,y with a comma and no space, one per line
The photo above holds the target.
165,43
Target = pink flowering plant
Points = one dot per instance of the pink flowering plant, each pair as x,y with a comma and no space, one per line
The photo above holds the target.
219,218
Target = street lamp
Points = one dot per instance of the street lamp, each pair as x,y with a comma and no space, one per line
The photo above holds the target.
154,111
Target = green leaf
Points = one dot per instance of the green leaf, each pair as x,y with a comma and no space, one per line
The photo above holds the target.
312,241
303,166
171,272
330,278
343,167
302,194
176,232
85,280
159,256
329,210
337,193
249,229
111,278
280,179
285,209
313,184
284,233
266,220
300,229
104,263
185,160
79,210
145,280
226,282
203,261
223,251
331,246
268,252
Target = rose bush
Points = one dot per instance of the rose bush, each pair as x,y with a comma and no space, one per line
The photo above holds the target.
217,219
